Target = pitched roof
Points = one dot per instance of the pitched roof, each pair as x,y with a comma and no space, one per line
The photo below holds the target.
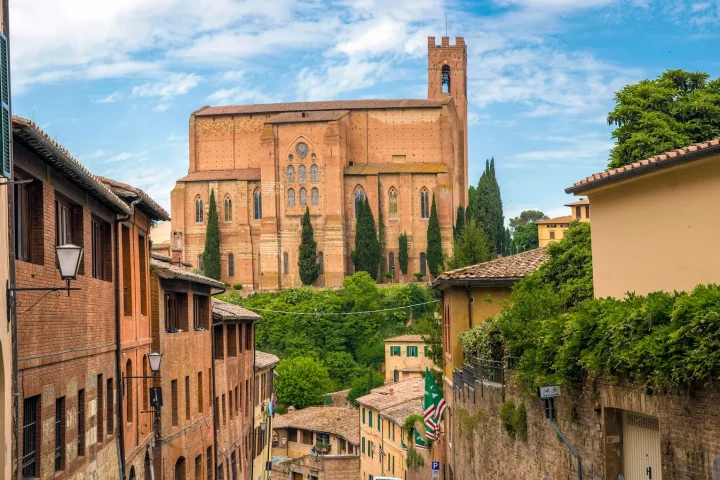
563,219
314,116
394,394
400,412
265,360
55,155
376,168
341,421
229,311
129,193
166,259
405,338
247,174
323,105
504,270
664,160
582,201
170,271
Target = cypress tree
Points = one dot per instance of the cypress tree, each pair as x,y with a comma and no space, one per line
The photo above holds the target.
403,253
459,223
366,256
434,244
211,255
309,268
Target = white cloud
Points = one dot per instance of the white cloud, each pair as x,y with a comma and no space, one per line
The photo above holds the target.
172,86
136,157
239,95
556,4
111,98
574,149
353,75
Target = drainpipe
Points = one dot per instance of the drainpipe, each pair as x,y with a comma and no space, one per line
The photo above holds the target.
120,392
469,300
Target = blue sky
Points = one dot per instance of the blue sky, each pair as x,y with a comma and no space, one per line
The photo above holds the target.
115,82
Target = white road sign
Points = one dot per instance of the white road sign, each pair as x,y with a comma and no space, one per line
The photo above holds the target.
550,391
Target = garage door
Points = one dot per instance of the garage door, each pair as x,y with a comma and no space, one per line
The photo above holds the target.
641,447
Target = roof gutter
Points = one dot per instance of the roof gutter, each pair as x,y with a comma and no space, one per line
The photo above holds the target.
643,169
495,282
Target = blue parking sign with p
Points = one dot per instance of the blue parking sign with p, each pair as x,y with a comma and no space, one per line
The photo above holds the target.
436,465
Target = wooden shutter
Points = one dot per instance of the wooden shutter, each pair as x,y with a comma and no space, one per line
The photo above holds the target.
5,120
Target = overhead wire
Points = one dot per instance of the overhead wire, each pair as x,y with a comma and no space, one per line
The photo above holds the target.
267,310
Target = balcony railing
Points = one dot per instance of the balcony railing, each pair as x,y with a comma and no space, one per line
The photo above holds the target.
483,370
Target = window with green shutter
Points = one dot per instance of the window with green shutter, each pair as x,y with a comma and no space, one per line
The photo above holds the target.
379,422
370,418
363,444
395,351
5,125
363,415
425,350
412,351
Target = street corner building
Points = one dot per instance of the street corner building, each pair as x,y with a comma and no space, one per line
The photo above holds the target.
267,163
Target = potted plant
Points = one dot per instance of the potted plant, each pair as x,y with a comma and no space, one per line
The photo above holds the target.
322,447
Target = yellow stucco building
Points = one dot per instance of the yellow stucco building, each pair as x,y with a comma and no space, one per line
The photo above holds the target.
553,229
406,357
664,210
382,416
264,371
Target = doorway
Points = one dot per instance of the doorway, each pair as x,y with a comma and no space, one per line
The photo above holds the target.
641,447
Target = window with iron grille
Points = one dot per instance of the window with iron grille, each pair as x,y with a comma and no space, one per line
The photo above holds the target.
172,318
100,409
231,265
31,435
200,392
174,398
233,466
101,252
187,398
109,407
200,312
60,434
81,422
208,459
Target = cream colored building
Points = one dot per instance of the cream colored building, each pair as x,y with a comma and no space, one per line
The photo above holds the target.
382,416
406,357
654,222
553,229
264,373
160,238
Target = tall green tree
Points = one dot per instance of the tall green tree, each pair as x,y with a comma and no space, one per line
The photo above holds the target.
434,242
367,255
485,207
676,109
459,222
301,382
525,217
507,243
309,268
361,385
403,253
211,254
471,247
525,238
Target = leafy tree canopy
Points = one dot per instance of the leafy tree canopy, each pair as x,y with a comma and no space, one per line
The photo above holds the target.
367,254
471,247
342,368
362,385
525,238
676,109
301,382
527,216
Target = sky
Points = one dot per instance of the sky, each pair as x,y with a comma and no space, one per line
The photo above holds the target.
115,82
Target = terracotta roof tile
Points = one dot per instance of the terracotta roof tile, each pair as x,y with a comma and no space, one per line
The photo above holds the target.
247,174
265,360
376,168
582,201
563,219
405,338
667,159
343,421
504,269
148,205
381,399
400,412
324,105
168,271
229,311
312,116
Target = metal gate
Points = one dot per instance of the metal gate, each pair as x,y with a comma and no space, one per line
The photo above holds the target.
641,447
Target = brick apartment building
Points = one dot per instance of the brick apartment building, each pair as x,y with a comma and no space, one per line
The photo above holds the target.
233,361
67,366
267,163
133,249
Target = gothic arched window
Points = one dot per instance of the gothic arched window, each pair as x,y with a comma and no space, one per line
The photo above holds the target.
359,199
291,198
199,210
391,263
228,209
231,265
445,79
424,203
314,173
303,197
302,174
423,264
290,174
393,203
257,204
315,196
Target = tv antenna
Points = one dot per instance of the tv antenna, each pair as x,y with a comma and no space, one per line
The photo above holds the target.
446,30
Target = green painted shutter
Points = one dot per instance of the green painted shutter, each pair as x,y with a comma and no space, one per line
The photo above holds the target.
5,120
363,415
363,444
425,350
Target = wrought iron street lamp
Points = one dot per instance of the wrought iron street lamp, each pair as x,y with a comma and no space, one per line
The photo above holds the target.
155,360
69,257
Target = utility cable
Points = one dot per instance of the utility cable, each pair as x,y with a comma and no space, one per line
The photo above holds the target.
338,313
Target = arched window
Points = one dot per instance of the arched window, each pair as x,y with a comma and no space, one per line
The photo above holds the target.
129,391
315,196
303,197
228,209
359,199
423,264
424,203
290,174
231,265
199,213
393,203
291,198
180,469
314,173
257,204
391,263
132,473
286,263
321,262
302,174
445,79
